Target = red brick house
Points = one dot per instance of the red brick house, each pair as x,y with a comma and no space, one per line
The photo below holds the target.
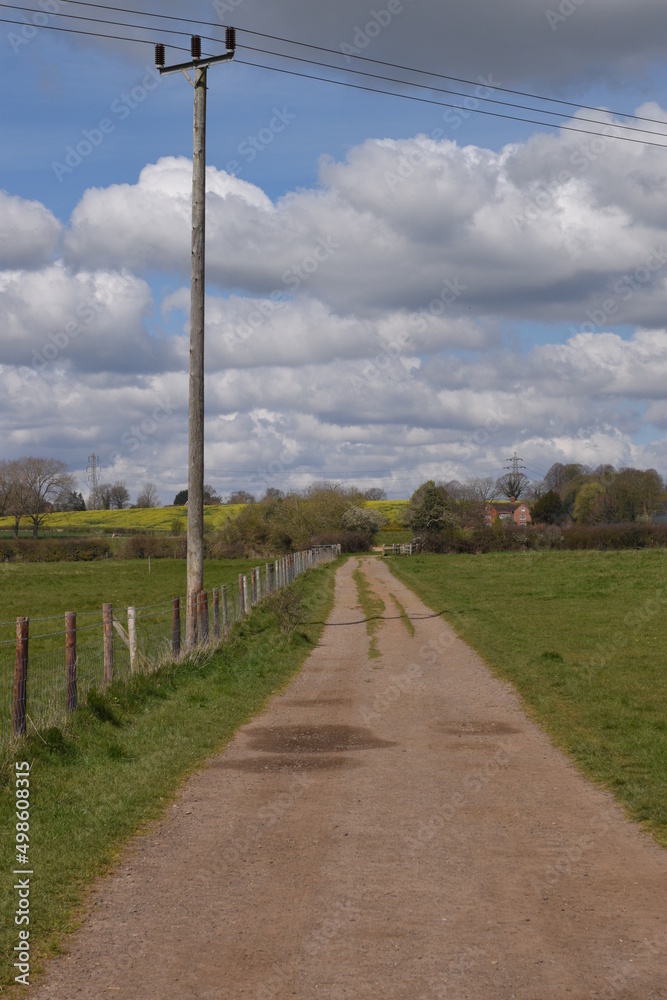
505,510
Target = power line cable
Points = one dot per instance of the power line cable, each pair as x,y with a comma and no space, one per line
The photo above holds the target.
90,34
379,62
444,104
442,90
411,97
376,76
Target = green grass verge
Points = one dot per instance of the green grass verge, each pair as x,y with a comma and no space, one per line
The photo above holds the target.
121,758
373,607
404,615
582,636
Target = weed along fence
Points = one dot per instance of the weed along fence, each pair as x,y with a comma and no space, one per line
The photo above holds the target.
52,664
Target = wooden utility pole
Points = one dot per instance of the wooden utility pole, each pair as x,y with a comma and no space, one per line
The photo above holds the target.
195,545
195,552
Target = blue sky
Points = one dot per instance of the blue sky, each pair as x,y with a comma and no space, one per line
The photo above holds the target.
397,291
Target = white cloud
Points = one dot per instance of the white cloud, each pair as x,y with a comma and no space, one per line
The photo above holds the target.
29,232
365,328
86,321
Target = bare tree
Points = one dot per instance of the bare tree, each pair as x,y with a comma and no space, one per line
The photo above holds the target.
148,496
512,485
241,496
41,483
100,497
11,500
481,489
119,495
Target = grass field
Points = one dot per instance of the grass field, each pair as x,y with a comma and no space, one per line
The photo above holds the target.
43,592
583,637
119,761
39,590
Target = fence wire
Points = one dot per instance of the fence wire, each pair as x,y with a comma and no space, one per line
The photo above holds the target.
47,690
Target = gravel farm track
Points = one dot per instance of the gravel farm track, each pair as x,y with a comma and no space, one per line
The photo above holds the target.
389,827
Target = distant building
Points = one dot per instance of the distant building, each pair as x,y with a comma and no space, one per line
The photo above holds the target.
508,510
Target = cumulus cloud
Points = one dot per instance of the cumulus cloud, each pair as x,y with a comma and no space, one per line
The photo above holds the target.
85,321
361,327
29,232
559,228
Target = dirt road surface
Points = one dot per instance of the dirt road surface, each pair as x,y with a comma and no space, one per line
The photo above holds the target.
390,827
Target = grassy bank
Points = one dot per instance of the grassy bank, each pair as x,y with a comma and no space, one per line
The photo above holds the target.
582,635
120,759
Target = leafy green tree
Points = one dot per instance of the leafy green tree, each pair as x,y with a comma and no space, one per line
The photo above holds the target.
363,519
71,501
589,505
284,524
181,498
548,509
431,508
637,493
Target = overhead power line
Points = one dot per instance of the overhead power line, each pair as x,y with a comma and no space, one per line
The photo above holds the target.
459,107
613,130
362,58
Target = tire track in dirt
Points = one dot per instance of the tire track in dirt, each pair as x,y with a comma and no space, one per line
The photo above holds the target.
391,827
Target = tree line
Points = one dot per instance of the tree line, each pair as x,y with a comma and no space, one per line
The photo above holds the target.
572,493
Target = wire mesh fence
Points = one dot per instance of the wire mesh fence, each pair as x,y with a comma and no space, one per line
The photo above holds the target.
48,666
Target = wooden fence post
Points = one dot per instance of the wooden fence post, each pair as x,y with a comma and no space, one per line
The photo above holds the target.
246,596
176,627
242,594
19,711
107,618
132,636
225,611
71,694
202,616
216,614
